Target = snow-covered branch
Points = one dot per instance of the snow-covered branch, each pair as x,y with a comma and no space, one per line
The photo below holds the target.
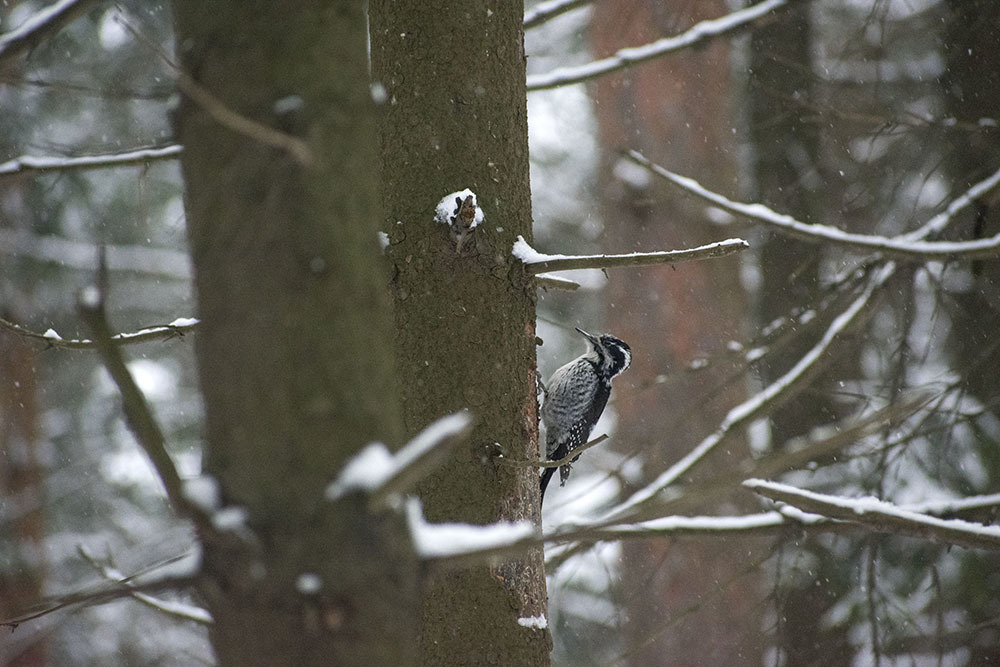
779,390
40,25
383,475
35,163
881,516
550,9
910,247
546,281
460,543
106,592
698,33
187,612
537,262
51,338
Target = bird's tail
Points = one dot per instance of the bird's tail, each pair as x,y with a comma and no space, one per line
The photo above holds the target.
546,476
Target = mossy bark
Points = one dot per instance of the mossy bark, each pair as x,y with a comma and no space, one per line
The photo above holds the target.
295,353
455,117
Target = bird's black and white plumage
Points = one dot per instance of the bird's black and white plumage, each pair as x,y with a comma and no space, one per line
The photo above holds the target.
575,397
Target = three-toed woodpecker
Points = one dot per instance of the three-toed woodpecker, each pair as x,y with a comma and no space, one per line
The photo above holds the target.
575,397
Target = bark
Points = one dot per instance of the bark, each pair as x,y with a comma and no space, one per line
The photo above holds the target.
455,117
295,352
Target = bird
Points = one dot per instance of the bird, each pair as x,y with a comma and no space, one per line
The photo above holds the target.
575,396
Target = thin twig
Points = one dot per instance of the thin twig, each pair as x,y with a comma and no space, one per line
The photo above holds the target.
557,463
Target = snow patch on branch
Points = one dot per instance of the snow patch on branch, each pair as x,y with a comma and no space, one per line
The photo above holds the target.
443,540
524,252
375,467
365,471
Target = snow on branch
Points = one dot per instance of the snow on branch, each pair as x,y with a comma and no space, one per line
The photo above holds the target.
51,338
910,247
781,389
550,9
40,25
187,612
35,163
537,262
459,543
881,516
382,475
698,33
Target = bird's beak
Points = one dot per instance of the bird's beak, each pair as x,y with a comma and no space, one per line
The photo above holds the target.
591,337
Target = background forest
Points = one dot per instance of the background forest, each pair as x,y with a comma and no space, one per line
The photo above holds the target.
859,363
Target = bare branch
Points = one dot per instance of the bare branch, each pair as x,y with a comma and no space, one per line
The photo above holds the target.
176,329
41,25
909,247
537,262
698,33
559,462
41,164
881,516
550,9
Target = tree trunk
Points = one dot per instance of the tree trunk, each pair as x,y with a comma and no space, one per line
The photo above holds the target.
295,351
684,604
455,117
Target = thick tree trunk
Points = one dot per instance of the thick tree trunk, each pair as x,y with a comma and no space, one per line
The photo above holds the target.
295,352
455,117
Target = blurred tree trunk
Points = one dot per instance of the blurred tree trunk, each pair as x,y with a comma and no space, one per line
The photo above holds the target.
789,271
455,116
22,526
785,159
971,87
679,111
295,352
